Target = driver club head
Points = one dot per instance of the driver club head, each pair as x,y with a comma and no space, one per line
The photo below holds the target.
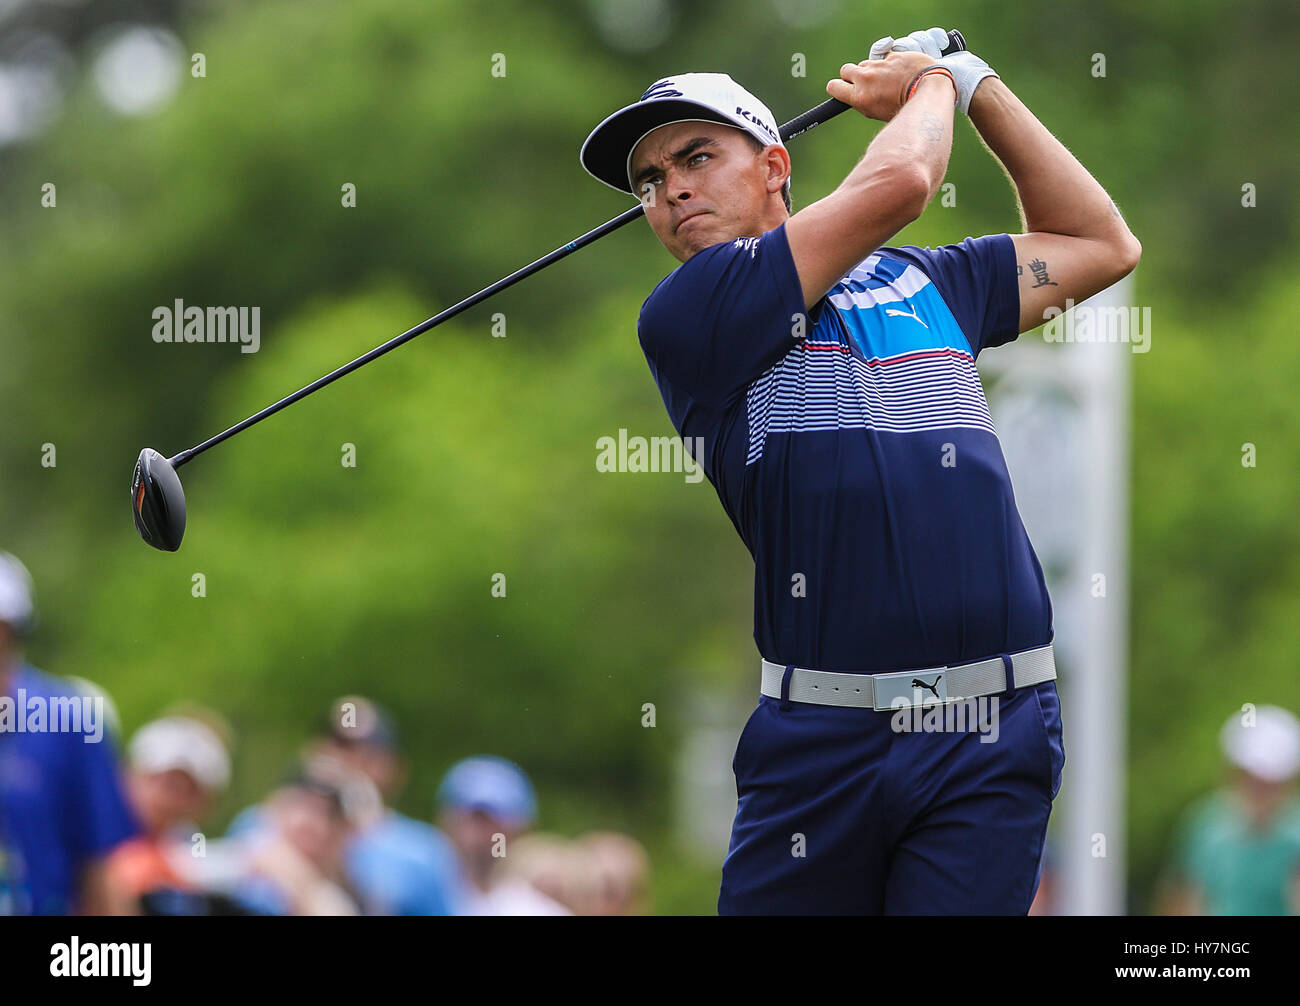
158,501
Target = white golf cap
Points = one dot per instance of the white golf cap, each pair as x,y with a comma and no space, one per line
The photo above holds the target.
17,607
1270,749
178,742
688,97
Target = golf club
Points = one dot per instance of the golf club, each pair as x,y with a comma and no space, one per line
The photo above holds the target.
157,498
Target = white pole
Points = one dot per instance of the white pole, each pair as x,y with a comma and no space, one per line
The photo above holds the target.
1062,414
1094,698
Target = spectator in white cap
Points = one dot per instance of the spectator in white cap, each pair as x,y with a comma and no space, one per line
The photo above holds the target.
1237,850
178,766
62,804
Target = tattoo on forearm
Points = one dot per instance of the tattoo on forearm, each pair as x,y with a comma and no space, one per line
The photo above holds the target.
932,128
1039,270
1115,209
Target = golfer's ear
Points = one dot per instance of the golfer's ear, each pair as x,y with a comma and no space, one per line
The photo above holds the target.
778,166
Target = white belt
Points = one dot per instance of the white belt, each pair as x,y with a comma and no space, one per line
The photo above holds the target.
902,689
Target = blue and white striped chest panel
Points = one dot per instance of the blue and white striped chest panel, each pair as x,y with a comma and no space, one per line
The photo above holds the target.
886,354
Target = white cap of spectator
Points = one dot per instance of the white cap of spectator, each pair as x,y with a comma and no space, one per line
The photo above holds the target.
17,607
1269,749
179,742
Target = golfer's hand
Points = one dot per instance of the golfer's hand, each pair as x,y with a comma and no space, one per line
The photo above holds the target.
968,70
878,87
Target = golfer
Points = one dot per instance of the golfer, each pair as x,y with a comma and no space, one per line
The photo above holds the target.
832,381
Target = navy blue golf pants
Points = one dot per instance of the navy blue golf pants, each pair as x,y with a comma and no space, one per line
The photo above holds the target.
840,812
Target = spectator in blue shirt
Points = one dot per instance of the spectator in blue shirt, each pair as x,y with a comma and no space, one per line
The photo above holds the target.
62,804
398,865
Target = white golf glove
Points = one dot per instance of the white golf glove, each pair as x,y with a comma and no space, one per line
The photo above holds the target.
929,42
967,69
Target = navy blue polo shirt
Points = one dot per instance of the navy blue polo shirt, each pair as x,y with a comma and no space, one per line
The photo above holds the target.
853,448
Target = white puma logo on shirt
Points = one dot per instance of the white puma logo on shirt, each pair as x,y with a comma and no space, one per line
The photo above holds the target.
892,311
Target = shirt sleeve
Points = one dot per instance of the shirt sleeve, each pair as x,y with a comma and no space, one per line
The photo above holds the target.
977,280
722,318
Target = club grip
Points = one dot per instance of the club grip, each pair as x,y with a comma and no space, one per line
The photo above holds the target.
832,107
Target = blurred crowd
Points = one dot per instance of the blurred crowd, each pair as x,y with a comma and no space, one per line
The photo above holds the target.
1236,849
88,828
